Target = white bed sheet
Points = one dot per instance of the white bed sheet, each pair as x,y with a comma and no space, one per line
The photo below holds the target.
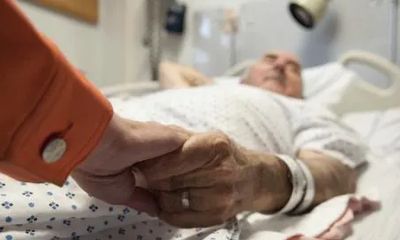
380,178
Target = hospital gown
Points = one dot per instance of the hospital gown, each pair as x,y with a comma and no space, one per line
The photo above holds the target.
254,118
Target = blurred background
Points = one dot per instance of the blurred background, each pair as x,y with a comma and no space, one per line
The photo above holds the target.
122,41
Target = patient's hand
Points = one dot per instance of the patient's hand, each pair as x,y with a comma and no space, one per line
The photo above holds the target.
221,179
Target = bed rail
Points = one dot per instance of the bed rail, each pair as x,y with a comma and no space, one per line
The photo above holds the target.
363,96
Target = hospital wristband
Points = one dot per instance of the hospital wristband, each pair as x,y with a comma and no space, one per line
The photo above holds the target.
298,181
310,191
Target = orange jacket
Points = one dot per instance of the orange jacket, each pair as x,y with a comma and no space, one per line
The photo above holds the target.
42,97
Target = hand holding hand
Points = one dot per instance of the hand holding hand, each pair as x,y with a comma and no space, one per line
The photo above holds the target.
107,172
218,178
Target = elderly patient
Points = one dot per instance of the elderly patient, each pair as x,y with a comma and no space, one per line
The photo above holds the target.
277,71
238,164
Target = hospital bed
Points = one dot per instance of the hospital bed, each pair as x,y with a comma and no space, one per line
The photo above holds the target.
68,211
372,111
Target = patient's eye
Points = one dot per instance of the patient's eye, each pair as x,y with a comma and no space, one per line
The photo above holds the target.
270,57
293,67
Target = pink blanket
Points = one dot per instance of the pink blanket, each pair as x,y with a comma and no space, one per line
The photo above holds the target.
342,227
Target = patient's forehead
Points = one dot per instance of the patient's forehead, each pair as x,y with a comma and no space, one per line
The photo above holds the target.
280,53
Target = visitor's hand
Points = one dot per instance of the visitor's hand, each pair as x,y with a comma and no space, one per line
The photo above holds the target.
107,172
218,178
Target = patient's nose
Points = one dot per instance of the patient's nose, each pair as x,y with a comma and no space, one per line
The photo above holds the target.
279,63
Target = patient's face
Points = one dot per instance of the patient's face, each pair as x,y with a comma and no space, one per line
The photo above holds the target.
278,72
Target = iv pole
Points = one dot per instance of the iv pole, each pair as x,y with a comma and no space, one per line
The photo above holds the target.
152,38
394,20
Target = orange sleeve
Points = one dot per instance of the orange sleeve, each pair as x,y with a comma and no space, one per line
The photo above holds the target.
42,97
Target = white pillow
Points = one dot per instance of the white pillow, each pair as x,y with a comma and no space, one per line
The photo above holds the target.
325,84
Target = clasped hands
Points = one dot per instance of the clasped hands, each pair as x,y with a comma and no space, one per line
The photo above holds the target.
216,177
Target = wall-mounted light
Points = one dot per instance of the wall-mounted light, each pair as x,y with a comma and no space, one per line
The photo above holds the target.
308,12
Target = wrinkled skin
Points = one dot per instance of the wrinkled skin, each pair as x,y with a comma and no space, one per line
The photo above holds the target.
107,172
218,175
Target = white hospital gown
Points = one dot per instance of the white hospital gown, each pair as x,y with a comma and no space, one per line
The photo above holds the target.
252,117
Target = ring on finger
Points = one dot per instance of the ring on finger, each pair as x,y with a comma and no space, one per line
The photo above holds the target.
185,200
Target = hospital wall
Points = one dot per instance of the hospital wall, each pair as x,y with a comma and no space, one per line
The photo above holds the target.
109,52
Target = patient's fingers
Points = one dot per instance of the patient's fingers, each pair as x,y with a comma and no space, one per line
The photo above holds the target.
198,151
200,199
193,179
196,179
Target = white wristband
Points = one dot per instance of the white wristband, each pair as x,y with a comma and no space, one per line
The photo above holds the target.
310,191
299,183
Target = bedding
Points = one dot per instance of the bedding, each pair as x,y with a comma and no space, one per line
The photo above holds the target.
380,177
43,211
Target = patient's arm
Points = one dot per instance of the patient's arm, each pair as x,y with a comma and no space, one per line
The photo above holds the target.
332,178
173,75
224,179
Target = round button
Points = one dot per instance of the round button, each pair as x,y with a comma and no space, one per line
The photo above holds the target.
54,150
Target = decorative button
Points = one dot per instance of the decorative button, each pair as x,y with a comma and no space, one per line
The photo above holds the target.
54,150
